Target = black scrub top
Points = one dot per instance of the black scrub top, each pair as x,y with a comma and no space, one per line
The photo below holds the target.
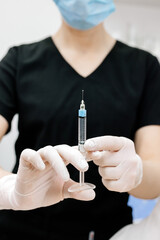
121,96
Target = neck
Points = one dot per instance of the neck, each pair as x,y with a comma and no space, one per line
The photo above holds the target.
80,39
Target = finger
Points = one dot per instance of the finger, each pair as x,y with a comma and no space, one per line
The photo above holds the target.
73,156
75,147
108,143
50,155
110,173
90,156
111,185
86,195
83,153
115,185
30,158
107,159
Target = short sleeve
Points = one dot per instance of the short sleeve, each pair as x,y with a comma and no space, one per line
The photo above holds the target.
8,72
149,107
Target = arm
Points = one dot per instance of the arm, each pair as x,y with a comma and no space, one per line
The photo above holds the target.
4,126
147,144
3,129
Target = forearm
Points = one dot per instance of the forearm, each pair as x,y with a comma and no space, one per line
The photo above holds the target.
150,185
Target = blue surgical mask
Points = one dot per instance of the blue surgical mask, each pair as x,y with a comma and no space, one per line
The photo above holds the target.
85,14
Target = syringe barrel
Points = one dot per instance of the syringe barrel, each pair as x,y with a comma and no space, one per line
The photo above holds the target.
82,115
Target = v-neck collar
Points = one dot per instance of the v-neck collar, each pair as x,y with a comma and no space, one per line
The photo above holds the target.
106,58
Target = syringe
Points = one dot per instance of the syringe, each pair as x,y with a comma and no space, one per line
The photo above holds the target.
82,114
82,129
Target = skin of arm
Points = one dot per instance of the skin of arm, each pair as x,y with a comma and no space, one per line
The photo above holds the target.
3,129
147,145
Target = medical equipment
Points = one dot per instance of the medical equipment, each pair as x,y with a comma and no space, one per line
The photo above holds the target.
82,122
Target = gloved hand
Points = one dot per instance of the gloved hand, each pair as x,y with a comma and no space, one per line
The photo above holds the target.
119,165
42,179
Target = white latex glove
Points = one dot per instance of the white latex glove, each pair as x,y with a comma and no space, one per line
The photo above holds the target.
147,229
119,165
42,179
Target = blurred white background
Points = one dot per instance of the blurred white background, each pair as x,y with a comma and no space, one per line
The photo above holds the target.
135,22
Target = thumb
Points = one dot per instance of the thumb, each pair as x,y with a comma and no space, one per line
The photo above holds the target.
84,195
